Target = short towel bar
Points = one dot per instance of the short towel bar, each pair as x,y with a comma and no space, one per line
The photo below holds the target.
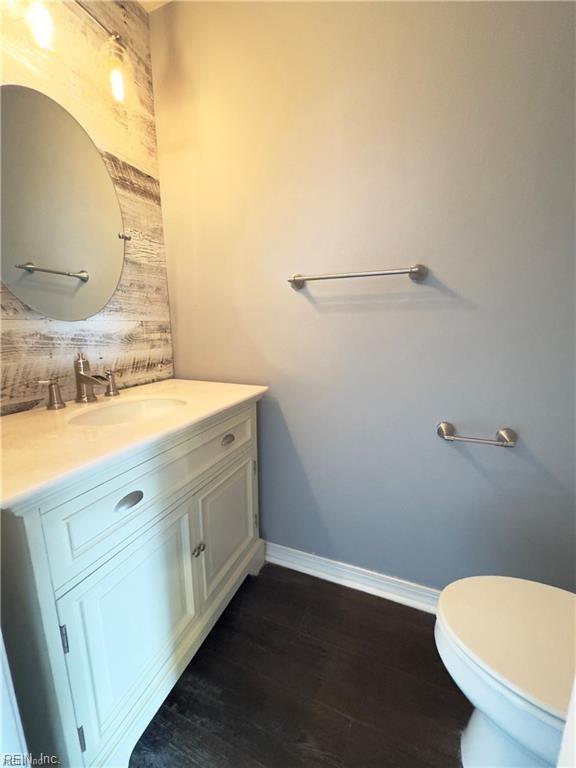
505,437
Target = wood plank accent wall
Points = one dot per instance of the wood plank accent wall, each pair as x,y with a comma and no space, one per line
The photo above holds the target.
132,333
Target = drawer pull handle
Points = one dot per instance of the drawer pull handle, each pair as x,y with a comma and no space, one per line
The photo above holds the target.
228,439
129,501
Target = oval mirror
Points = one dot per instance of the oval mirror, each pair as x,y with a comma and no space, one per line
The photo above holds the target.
60,212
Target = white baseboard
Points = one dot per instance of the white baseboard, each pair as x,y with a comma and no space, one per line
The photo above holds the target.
388,587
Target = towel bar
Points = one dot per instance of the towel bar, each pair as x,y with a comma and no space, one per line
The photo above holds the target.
417,273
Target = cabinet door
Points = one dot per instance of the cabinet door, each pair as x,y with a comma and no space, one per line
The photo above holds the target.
226,521
126,625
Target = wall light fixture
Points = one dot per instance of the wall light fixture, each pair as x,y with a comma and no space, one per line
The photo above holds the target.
115,56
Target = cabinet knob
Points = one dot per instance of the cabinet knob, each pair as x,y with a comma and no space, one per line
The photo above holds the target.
228,439
202,547
196,552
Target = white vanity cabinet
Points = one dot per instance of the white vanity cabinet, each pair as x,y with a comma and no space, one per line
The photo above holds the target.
112,581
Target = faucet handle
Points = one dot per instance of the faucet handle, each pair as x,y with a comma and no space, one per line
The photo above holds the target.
111,389
55,401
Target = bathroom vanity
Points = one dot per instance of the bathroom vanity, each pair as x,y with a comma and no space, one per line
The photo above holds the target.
127,527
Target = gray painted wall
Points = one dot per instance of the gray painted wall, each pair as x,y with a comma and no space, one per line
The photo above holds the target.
332,137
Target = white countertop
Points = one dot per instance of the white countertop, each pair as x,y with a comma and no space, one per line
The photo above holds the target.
40,448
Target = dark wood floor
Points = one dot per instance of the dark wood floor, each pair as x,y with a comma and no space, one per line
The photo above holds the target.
301,672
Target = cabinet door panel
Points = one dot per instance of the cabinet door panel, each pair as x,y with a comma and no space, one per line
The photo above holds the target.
125,622
225,514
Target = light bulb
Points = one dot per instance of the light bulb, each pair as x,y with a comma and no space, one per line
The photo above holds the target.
116,68
117,85
41,24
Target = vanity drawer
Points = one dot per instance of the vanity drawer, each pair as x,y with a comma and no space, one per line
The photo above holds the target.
86,529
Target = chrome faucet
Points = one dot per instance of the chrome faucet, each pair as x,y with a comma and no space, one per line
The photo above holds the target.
85,381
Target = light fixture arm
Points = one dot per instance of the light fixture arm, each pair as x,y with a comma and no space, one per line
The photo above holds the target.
109,33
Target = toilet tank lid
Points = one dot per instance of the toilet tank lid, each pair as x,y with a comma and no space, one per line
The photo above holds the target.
521,632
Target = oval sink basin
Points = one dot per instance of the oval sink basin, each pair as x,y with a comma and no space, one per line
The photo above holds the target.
126,413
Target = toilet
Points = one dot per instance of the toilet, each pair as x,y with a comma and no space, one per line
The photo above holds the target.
509,645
